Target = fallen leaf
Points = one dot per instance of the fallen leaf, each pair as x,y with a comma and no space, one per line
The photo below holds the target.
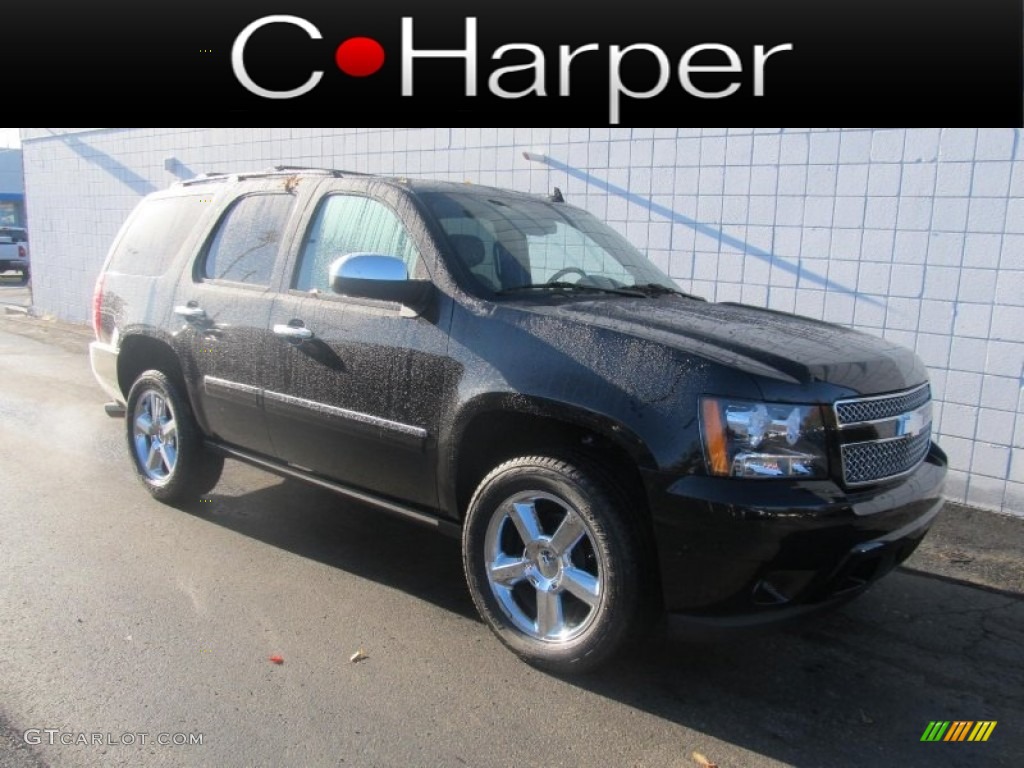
358,656
703,761
277,659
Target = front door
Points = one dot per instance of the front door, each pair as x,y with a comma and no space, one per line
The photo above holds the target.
358,400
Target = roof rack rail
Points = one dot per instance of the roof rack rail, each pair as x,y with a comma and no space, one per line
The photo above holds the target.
332,171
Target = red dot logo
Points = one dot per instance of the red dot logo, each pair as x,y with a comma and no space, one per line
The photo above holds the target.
359,56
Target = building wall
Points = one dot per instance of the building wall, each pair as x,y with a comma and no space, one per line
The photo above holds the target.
12,187
916,235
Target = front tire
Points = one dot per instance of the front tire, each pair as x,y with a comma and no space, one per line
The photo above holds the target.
553,563
165,443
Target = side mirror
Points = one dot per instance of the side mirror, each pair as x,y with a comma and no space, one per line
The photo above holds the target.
375,276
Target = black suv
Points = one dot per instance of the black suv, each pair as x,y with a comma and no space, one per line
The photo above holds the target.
507,368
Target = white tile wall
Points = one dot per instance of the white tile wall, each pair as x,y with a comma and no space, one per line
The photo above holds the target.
912,234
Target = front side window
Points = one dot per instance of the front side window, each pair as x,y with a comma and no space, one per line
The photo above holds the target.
347,224
245,245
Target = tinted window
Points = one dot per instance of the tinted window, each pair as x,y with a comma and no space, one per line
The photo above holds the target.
154,235
245,245
347,224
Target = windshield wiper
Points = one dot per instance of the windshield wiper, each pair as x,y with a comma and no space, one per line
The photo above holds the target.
563,286
657,289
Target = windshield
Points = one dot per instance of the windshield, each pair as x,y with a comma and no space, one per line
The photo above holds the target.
509,244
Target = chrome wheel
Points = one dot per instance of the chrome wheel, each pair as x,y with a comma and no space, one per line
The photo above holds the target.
544,567
155,435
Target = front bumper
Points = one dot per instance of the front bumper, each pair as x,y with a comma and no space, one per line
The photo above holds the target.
748,552
103,360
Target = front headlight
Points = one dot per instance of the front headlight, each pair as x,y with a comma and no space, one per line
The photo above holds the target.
751,439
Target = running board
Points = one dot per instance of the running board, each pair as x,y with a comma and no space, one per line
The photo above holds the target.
408,513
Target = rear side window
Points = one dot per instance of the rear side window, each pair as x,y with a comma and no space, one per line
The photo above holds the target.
155,234
247,239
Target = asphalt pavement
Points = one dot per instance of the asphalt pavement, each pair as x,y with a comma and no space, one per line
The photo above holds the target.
125,623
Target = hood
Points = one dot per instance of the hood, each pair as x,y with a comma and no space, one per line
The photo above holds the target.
776,347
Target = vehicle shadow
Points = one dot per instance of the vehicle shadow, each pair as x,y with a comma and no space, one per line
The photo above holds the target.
853,688
320,525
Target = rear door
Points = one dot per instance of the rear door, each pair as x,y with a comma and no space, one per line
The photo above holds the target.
223,310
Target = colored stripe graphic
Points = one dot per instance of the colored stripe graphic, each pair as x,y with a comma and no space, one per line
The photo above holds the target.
958,730
982,730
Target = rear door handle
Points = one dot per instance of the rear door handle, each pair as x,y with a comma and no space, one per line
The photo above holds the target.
293,332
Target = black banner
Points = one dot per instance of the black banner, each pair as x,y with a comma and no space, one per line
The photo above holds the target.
520,63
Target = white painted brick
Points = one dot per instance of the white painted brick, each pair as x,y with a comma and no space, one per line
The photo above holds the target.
821,180
869,316
887,146
1012,252
1017,179
712,180
852,180
884,179
755,295
874,278
1005,358
739,149
855,146
1013,499
987,214
1017,468
763,180
877,243
991,179
957,143
944,249
968,354
914,213
995,143
994,426
973,320
907,248
907,280
766,149
900,337
1010,290
964,387
792,180
795,147
902,314
1000,392
839,308
977,285
1007,323
737,180
959,421
782,299
958,449
818,211
824,148
880,212
918,180
982,250
849,212
933,348
1015,216
712,151
921,145
953,179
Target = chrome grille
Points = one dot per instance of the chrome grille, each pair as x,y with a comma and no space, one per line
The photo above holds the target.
867,462
876,408
901,423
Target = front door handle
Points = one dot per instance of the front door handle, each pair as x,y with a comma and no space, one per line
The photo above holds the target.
293,332
190,312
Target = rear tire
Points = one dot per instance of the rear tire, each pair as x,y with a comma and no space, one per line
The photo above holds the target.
553,563
165,442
